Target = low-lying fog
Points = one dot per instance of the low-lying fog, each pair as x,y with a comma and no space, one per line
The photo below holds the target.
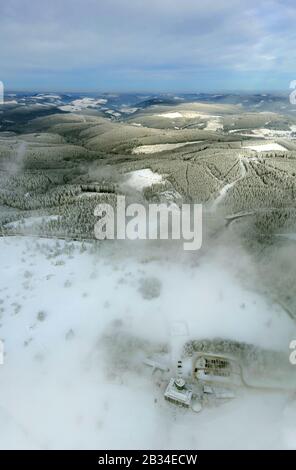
78,322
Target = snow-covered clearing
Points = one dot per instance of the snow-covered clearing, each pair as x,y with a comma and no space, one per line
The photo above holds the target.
172,115
85,102
213,122
186,115
214,125
267,133
266,147
80,104
272,133
77,325
140,179
155,148
128,110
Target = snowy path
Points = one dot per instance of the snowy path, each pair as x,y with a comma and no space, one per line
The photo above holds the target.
228,186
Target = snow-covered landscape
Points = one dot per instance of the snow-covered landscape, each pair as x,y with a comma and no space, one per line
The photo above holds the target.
147,229
89,327
77,326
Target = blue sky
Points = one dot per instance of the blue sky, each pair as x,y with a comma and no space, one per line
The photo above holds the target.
148,45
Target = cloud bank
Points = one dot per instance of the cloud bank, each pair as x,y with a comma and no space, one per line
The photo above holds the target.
147,44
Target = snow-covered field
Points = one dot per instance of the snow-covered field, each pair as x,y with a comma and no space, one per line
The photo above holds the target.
186,115
267,133
128,110
140,179
80,104
155,148
273,133
266,147
213,122
77,324
214,125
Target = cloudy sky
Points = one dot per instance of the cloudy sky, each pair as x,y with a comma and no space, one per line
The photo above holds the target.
160,45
